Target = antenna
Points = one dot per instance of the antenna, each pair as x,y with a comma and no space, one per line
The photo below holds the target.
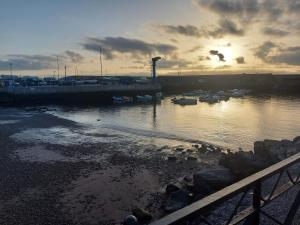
100,58
57,68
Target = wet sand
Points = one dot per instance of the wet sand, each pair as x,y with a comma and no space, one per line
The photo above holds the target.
56,171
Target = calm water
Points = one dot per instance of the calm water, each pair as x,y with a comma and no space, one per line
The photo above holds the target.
236,123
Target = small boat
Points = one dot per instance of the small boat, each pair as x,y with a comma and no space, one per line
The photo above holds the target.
143,99
185,101
158,95
122,99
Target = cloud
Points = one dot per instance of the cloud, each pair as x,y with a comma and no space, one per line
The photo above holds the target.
39,62
174,63
247,10
118,45
240,60
74,57
274,32
28,62
264,50
273,53
203,58
194,49
244,9
226,27
186,30
217,53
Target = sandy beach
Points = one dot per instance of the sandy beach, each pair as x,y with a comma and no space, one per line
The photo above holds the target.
56,171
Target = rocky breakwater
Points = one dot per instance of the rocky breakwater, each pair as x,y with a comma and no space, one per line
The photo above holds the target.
232,167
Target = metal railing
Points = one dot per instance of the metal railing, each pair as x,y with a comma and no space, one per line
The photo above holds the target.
200,210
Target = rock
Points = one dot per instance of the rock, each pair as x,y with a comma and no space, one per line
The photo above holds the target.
171,188
179,149
98,120
172,158
187,179
141,214
191,158
130,220
190,150
177,200
243,164
296,139
196,146
271,151
203,148
208,180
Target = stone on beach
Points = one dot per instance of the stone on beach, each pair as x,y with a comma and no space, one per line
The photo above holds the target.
177,200
243,164
208,180
141,214
130,220
171,188
275,151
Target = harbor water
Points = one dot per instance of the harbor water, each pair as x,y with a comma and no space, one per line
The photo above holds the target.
235,124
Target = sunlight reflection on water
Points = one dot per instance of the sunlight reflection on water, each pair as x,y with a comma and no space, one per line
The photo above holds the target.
236,123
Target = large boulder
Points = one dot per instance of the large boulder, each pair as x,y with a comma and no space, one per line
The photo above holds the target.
177,200
296,139
209,180
275,151
243,164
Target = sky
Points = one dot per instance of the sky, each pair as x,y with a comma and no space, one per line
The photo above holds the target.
191,36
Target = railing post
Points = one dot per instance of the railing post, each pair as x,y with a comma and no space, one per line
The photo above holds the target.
256,202
293,210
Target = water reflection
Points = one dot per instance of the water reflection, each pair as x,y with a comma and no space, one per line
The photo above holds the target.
236,123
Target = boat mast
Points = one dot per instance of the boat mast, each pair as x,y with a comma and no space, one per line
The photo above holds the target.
100,58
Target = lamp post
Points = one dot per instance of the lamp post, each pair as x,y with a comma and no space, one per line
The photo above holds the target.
154,60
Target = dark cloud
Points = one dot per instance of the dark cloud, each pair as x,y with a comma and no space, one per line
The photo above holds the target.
289,56
39,62
74,57
264,50
244,9
226,27
28,62
114,45
240,60
274,32
247,10
187,30
217,53
294,6
273,53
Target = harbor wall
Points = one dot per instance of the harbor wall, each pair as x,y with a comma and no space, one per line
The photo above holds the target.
259,83
74,94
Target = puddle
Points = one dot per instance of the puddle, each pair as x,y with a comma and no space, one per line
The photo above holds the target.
40,154
4,122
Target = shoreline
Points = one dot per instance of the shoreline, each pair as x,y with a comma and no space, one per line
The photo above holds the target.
47,180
